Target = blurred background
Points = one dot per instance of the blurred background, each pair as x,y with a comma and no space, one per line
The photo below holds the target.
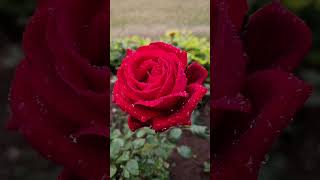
150,18
295,156
18,161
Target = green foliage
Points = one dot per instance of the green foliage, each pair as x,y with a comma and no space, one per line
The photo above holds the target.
206,167
139,155
184,151
142,154
118,48
198,49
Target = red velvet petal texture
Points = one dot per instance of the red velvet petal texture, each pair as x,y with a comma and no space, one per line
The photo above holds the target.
237,10
156,88
60,92
196,73
182,116
277,96
229,62
253,101
276,38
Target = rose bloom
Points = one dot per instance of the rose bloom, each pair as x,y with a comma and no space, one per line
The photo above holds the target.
59,97
157,87
254,95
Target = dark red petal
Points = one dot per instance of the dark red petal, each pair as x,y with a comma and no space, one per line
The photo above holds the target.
67,175
238,103
44,132
238,10
180,81
229,63
92,131
141,113
196,73
165,102
275,37
229,105
277,96
182,55
135,124
94,43
182,116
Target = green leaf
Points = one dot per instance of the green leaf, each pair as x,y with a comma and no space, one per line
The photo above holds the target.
141,132
175,134
195,117
113,170
184,151
115,133
115,147
206,167
151,139
119,141
133,167
138,143
126,173
127,146
201,131
125,156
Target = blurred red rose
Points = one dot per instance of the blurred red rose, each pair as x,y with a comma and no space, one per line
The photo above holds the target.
157,88
254,94
60,91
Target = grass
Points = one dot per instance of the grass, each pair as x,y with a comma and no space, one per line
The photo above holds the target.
153,17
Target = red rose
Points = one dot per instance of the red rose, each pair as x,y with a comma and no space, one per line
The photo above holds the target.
254,94
60,92
157,88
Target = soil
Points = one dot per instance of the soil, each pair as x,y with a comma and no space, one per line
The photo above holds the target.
193,168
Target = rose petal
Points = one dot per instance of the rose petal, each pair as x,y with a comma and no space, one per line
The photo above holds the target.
229,62
283,95
138,112
238,10
238,103
44,133
135,124
275,37
67,175
182,55
165,102
196,73
182,116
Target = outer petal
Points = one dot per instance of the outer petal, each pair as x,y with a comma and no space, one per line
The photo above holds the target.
277,38
182,116
138,112
135,124
45,133
165,102
238,103
238,10
196,73
67,175
277,96
182,55
229,62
